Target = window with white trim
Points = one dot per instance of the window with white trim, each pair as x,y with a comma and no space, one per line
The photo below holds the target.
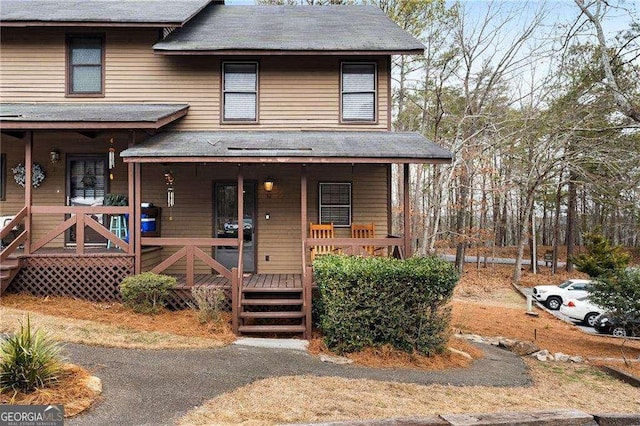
240,91
358,91
85,65
335,203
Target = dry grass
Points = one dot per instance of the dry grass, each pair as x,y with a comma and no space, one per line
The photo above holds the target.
112,325
321,399
71,391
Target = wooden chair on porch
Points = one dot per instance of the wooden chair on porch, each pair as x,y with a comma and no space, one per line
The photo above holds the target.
367,230
320,230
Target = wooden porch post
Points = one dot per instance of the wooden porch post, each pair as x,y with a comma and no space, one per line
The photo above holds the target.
303,216
240,221
28,188
131,223
407,214
137,223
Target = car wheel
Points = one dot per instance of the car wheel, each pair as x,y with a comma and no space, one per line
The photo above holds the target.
590,319
619,332
554,303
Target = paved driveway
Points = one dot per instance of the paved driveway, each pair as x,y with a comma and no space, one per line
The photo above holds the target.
157,387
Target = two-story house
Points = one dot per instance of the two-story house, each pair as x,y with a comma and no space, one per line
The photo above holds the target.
231,130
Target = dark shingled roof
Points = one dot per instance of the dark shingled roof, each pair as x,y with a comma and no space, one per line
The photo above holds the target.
291,28
296,146
51,12
78,115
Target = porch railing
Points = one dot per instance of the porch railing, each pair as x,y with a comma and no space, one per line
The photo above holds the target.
81,217
190,249
357,246
19,239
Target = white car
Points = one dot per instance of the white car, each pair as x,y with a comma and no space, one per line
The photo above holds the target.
553,296
582,310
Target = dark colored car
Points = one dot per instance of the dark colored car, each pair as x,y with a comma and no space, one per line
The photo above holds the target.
609,324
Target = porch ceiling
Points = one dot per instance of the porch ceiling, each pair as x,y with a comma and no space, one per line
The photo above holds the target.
88,116
288,146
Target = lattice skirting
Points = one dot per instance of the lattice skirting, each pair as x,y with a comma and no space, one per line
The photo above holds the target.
89,278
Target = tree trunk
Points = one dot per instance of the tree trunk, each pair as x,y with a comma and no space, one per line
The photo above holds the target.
571,221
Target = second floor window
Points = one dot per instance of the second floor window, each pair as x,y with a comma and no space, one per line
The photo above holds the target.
240,91
85,65
358,87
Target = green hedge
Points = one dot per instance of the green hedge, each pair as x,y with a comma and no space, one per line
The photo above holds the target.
146,292
374,301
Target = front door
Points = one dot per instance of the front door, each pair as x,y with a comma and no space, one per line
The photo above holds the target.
225,224
86,186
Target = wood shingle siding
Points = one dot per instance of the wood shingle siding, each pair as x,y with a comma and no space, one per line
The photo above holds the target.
295,92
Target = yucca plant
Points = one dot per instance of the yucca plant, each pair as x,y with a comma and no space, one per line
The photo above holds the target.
29,360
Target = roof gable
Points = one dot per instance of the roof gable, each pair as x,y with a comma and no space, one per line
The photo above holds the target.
337,28
106,12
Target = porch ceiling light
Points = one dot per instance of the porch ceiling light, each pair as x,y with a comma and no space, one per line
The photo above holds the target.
268,186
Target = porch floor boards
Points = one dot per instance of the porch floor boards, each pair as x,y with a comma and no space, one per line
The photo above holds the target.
249,281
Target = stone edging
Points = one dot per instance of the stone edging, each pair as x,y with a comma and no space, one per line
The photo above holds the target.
568,417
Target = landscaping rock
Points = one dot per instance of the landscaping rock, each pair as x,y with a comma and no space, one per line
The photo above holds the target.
576,359
524,348
559,356
335,359
537,418
506,343
95,384
462,353
617,419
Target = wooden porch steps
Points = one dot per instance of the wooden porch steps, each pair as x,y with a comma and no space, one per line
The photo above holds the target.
271,328
293,314
269,310
8,270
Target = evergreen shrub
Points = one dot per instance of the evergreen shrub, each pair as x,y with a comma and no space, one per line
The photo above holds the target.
147,292
377,301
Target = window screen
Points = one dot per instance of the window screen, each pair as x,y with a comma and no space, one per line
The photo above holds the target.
85,65
240,87
335,203
358,91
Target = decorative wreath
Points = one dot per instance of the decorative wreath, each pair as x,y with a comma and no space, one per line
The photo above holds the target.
37,178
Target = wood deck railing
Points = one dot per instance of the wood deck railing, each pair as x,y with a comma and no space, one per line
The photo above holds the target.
190,249
81,217
19,239
356,246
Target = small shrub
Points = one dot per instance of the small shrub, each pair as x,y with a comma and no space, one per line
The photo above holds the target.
29,360
374,301
600,258
210,302
146,293
620,294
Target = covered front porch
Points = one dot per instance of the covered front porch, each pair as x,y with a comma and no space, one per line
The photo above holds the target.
217,223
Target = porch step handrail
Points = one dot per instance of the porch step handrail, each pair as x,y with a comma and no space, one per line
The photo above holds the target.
19,239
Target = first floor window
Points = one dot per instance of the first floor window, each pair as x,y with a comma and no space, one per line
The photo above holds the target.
358,91
85,65
240,91
335,203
